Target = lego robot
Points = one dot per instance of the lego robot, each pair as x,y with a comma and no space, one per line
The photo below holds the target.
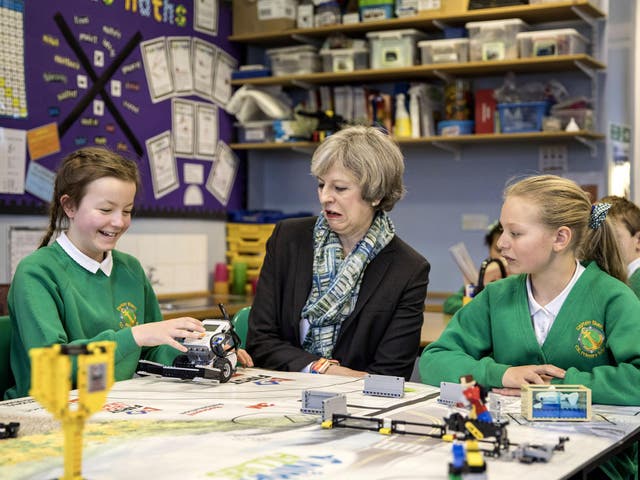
211,358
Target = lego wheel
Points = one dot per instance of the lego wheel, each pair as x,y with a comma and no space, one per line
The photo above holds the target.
226,370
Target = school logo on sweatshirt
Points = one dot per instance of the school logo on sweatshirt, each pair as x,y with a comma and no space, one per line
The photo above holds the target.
128,316
591,339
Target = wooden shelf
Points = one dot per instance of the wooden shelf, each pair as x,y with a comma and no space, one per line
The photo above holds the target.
462,139
540,13
431,71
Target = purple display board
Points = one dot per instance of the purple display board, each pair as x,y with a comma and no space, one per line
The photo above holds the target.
80,51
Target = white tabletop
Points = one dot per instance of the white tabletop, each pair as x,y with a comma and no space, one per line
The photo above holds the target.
252,427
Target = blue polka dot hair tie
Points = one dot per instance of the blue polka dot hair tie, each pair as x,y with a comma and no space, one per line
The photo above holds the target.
598,214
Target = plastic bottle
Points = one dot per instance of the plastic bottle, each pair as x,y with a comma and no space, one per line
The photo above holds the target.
414,113
403,122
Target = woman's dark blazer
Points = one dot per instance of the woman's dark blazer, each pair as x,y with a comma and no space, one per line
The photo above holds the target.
382,334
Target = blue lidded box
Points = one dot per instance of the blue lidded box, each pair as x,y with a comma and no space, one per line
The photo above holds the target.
452,128
522,117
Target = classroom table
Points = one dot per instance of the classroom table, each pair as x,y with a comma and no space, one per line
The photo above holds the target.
252,428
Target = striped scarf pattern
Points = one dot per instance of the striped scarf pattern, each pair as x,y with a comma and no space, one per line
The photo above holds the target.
336,280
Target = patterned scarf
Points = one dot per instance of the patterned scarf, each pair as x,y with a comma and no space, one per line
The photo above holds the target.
336,280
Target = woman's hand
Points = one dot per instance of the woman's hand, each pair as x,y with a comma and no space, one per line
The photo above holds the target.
347,372
244,359
515,377
166,332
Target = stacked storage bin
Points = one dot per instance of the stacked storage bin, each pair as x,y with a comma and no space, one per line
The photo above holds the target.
247,235
246,244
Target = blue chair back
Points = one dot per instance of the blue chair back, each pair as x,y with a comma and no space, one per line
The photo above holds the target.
241,324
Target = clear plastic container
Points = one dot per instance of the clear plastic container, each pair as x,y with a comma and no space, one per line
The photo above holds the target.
394,48
344,59
294,60
327,13
255,132
451,50
495,39
565,41
583,117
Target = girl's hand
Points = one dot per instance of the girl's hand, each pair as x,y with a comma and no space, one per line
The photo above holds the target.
244,359
166,332
515,377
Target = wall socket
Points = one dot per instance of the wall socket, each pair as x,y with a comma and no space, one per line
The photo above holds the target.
553,159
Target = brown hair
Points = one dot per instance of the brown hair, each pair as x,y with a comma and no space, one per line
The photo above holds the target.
373,158
561,202
77,170
624,211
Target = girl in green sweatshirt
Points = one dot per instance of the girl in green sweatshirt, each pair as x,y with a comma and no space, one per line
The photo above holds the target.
565,314
79,289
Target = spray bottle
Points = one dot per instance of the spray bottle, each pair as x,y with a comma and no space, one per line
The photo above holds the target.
403,122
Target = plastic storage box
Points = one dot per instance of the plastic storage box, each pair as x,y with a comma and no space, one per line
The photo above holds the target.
451,128
522,117
327,13
373,10
495,39
582,116
565,41
344,59
294,60
451,50
394,48
255,132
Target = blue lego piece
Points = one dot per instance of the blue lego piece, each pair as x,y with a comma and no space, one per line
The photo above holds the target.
485,417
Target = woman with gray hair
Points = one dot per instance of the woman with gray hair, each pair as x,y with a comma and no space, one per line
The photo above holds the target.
341,293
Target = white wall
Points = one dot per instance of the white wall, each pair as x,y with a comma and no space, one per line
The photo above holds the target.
215,231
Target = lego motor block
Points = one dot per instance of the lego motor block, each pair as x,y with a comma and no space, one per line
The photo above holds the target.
565,403
323,403
383,386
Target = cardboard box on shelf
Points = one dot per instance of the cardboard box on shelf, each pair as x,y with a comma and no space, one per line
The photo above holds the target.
261,16
485,111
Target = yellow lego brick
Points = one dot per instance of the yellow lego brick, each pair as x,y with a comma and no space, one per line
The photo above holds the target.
474,430
472,446
327,424
475,459
385,431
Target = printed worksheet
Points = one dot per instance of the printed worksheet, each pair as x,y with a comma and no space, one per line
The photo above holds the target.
164,173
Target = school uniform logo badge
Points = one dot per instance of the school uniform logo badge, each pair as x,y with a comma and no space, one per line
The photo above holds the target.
128,316
591,339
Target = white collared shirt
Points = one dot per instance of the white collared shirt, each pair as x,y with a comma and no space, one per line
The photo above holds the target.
633,266
544,316
83,260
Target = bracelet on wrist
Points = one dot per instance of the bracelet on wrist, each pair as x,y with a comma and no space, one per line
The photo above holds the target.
322,365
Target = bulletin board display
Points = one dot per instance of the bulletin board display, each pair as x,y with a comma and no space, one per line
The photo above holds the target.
149,79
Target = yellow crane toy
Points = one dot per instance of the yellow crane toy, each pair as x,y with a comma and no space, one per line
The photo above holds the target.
51,372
